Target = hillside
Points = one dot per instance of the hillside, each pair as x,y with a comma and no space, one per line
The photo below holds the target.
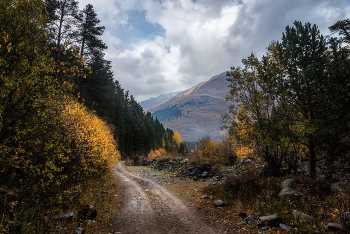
154,102
197,111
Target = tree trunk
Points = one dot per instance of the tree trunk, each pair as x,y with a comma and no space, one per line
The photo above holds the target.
312,161
59,35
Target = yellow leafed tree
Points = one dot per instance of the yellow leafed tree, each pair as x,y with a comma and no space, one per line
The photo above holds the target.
177,139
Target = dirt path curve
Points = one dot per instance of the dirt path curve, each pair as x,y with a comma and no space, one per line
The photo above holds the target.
151,208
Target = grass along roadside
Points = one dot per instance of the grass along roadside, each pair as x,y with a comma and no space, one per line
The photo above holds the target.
107,205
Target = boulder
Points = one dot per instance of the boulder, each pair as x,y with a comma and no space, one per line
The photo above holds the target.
297,215
219,203
286,192
79,231
286,183
271,220
258,213
205,175
67,216
249,220
332,226
205,197
340,185
285,227
87,212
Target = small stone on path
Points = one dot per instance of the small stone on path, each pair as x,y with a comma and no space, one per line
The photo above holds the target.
219,203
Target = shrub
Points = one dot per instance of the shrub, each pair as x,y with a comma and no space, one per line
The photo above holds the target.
52,153
156,154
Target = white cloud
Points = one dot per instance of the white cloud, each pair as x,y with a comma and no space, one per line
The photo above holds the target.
202,38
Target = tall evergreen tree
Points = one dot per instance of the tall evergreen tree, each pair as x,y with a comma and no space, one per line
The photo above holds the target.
343,28
89,32
64,20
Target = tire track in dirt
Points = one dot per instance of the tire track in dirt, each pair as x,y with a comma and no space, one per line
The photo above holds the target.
155,211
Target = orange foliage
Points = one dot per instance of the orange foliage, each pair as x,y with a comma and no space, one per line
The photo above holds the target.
156,154
55,150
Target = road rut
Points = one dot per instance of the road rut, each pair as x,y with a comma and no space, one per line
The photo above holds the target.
148,207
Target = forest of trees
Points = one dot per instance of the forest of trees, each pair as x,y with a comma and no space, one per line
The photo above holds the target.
64,119
70,28
294,102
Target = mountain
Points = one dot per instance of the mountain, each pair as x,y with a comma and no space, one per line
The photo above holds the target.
197,111
153,102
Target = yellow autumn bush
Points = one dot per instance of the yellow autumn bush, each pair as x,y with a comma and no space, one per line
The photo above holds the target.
156,154
54,151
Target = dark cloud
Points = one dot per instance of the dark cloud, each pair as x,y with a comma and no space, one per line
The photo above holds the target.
198,39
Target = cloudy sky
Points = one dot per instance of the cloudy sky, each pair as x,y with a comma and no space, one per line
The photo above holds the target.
161,46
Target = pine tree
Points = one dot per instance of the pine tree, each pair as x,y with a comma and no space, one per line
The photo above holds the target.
89,32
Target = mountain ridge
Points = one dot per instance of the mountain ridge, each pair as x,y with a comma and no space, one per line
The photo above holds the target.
196,112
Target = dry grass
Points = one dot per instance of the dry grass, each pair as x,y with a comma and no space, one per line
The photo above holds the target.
107,205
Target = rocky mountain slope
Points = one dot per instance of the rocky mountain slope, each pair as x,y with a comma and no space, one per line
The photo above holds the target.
197,111
154,102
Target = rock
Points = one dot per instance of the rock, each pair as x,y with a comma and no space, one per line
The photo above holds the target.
205,197
262,232
146,190
87,212
104,191
301,216
285,227
286,183
346,216
242,215
286,192
67,216
258,213
88,221
205,175
271,220
334,227
340,185
249,220
219,203
248,161
79,231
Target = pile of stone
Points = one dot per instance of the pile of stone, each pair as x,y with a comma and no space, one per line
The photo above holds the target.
140,161
197,170
167,164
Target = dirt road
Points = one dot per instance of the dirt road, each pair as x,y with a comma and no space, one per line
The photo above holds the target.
151,208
